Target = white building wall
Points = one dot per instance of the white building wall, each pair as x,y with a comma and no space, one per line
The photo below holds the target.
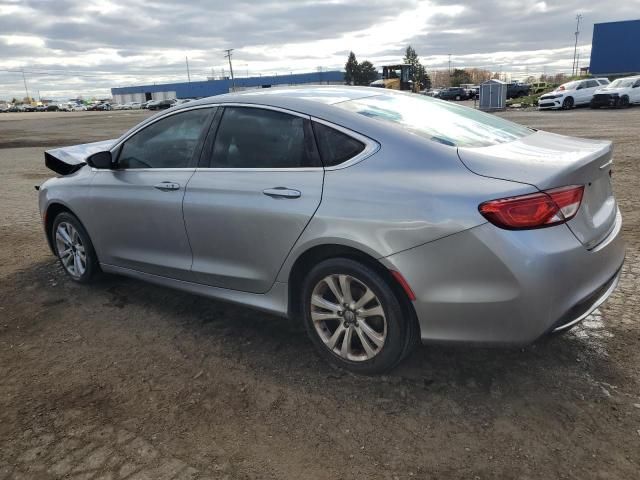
163,95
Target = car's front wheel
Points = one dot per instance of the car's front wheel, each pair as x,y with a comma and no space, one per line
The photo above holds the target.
74,249
354,317
567,104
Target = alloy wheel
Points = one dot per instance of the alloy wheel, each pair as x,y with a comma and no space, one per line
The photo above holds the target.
71,250
348,317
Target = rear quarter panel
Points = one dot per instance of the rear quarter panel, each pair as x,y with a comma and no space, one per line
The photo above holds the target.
412,191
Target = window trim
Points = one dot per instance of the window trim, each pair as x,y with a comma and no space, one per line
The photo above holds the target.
212,135
117,148
370,145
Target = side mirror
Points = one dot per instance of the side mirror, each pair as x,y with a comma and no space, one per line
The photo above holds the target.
101,160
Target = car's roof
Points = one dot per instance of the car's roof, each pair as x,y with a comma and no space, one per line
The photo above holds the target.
325,94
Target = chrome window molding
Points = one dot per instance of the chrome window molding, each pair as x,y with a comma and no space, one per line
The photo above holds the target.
288,169
370,145
181,169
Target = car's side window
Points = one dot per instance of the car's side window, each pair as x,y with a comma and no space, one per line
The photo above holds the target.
335,147
592,83
168,143
250,137
637,84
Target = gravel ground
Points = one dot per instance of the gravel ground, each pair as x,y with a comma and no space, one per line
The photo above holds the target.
122,379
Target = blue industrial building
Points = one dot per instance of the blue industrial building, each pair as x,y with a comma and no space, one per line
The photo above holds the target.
209,88
615,48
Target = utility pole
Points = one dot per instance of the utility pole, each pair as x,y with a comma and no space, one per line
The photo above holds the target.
24,79
233,81
449,64
186,59
575,47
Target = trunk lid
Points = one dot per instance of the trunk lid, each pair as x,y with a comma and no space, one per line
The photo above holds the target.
546,160
66,160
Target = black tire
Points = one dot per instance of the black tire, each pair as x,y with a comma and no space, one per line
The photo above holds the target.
568,103
401,329
624,102
92,267
593,105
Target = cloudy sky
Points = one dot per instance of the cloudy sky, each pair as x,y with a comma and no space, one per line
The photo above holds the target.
71,47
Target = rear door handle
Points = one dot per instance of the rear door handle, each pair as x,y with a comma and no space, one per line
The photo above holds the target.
282,192
167,186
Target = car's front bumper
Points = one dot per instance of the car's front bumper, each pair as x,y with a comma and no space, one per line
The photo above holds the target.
550,103
492,286
605,100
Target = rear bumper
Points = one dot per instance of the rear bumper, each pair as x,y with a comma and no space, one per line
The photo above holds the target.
493,286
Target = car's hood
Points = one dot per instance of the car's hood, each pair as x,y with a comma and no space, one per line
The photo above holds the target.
612,90
66,160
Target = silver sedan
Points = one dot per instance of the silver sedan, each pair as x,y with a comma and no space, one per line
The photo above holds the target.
377,218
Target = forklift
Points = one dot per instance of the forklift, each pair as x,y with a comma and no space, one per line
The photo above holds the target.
397,77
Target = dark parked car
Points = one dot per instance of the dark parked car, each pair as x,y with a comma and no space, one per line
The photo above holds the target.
161,104
454,93
52,108
517,90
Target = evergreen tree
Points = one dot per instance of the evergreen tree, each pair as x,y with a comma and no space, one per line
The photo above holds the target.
365,73
351,69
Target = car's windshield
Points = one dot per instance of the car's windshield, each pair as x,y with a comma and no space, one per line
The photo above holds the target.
569,86
438,120
622,83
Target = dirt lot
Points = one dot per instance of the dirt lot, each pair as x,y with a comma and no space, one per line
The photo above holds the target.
126,380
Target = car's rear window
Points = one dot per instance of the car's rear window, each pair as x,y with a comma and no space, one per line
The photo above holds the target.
438,120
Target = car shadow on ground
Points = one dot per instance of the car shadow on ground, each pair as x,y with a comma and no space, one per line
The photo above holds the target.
279,348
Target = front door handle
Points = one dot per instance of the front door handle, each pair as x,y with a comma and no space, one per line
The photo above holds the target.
167,186
282,192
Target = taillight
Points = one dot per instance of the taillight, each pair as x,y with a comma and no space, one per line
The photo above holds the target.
537,210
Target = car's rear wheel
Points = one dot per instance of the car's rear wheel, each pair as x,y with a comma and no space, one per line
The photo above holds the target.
624,102
593,105
567,104
74,249
354,317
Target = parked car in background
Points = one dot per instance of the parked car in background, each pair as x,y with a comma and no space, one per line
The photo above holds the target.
144,105
78,108
434,92
53,107
517,90
375,219
571,94
161,104
104,107
453,93
620,93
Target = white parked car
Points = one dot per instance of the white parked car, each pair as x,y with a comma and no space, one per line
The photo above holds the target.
620,93
571,94
118,106
78,108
